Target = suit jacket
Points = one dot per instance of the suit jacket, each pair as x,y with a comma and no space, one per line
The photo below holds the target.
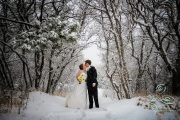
92,77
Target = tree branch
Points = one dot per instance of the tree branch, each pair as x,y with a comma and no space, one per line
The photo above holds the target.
20,22
94,7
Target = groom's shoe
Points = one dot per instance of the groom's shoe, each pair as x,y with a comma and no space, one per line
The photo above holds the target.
90,107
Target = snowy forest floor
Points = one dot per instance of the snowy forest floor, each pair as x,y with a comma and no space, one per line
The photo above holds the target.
42,106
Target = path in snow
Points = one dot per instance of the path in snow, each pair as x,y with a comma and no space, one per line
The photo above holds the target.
42,106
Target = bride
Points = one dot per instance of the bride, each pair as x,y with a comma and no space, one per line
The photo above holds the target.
78,97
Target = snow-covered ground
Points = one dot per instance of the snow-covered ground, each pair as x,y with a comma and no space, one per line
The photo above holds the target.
42,106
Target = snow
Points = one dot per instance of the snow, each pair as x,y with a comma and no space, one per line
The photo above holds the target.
52,31
42,106
53,34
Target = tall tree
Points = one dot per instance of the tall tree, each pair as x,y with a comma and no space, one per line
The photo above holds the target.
160,21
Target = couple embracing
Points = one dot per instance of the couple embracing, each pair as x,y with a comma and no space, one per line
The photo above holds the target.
86,79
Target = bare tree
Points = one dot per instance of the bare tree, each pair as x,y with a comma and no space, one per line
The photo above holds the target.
110,13
160,20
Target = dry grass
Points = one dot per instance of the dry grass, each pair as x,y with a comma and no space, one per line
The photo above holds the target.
61,93
142,93
12,100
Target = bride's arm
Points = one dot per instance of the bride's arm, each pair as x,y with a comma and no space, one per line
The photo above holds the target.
78,73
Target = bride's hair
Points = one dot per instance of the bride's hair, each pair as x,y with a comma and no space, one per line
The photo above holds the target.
81,66
88,61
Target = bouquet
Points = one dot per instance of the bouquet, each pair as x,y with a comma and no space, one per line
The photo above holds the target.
81,78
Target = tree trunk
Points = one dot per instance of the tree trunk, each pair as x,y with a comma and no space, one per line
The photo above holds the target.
39,63
176,80
6,70
49,85
176,74
24,72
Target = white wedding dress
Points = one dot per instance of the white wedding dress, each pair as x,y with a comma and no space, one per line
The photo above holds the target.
78,97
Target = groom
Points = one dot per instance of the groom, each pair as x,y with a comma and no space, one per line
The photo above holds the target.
92,84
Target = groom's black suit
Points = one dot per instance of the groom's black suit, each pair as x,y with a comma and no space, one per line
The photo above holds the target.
92,91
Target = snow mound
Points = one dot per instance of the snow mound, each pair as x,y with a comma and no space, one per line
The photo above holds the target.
42,106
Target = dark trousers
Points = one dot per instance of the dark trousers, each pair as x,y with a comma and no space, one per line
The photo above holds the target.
93,94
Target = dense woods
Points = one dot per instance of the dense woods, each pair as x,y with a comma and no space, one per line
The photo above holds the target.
41,43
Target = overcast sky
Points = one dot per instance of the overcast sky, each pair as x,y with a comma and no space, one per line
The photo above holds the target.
93,53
